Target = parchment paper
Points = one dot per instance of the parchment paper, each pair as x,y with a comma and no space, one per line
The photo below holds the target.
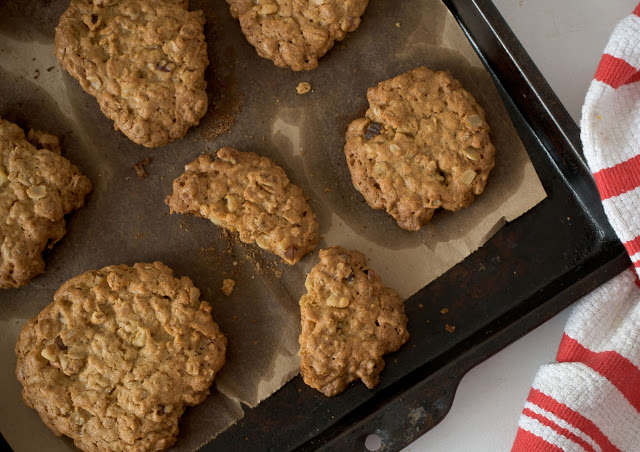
253,106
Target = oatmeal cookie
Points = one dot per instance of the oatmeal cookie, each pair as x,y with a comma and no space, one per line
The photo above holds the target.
249,194
143,60
293,33
422,145
349,320
38,187
117,356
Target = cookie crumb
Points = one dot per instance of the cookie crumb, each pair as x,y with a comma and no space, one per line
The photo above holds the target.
421,306
398,24
449,328
139,168
444,310
227,286
303,88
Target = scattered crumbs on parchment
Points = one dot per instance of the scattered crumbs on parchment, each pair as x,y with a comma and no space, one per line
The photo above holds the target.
449,328
209,256
421,306
444,310
139,168
227,286
303,88
49,69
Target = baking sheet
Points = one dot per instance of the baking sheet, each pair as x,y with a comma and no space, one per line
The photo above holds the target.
253,106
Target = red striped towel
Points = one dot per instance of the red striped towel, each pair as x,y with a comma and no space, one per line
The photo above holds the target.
589,400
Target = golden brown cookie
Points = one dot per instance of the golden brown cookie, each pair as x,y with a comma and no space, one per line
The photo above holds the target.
143,60
294,33
245,193
349,320
422,145
38,187
117,356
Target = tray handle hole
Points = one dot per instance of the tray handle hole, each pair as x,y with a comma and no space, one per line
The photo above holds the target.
373,442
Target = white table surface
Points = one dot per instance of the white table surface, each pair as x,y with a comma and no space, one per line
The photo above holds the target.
565,39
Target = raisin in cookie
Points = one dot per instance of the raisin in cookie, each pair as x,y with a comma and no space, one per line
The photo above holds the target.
249,194
349,320
143,60
117,356
293,33
38,187
422,145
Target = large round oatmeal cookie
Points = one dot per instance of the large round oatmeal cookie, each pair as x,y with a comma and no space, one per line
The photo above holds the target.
118,355
143,60
349,320
38,187
422,145
294,33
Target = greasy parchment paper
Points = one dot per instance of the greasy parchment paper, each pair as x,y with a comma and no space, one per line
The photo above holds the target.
253,106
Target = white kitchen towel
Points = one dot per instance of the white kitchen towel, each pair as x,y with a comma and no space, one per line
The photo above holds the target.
589,400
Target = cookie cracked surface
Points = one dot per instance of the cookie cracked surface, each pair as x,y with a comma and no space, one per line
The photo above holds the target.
349,321
245,193
38,187
114,360
294,34
423,145
143,60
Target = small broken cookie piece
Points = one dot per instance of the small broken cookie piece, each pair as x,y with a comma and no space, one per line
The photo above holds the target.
248,194
423,145
118,355
349,321
143,60
303,88
227,286
294,34
38,187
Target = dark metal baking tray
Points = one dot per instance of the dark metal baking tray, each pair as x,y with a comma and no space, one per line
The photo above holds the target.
525,274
